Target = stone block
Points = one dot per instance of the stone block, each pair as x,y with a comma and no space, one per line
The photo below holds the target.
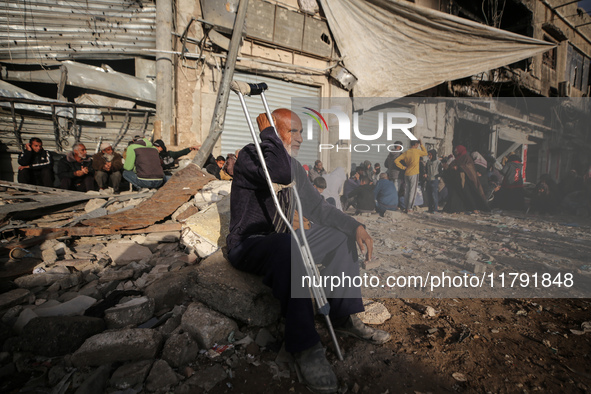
236,294
74,307
116,346
58,336
130,313
206,326
375,313
161,377
180,349
14,297
124,253
169,290
130,375
212,224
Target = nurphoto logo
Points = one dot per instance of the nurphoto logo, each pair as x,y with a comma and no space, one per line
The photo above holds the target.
395,121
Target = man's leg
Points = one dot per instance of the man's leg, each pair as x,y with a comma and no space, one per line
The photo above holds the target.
87,183
101,178
411,190
25,176
115,177
46,176
434,195
132,178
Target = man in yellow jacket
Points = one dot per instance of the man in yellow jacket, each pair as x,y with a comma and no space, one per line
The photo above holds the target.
411,159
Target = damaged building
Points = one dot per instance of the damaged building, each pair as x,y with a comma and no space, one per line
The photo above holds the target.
103,71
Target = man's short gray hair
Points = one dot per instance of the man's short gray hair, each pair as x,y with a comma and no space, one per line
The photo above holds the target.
383,175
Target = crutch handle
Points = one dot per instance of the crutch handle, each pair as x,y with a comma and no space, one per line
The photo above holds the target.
248,89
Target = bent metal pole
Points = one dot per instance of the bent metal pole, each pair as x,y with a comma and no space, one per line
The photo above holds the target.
242,88
221,104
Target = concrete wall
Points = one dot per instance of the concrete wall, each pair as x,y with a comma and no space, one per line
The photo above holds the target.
197,82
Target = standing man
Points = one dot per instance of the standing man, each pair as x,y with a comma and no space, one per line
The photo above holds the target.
432,176
75,170
259,243
35,164
107,166
316,171
395,173
142,166
411,158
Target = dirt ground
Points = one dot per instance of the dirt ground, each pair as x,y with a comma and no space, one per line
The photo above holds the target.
483,345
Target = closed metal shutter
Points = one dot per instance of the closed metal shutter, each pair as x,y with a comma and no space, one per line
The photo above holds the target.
279,95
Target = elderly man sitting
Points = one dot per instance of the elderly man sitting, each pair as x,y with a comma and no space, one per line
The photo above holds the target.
75,170
107,166
259,243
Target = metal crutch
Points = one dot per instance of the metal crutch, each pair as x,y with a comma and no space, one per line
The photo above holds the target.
241,89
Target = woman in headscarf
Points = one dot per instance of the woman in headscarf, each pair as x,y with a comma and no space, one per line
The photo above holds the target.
481,166
465,192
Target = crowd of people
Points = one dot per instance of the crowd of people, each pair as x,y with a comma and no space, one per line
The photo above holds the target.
143,164
461,182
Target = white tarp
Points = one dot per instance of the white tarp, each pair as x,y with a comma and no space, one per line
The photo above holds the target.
396,48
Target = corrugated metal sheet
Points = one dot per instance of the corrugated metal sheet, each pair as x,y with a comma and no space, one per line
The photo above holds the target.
50,29
279,95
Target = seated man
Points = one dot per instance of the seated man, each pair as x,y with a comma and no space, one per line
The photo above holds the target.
363,195
75,170
350,184
35,164
107,166
142,166
386,195
215,168
259,243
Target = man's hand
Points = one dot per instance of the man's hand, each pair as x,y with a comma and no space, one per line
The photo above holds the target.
263,121
28,146
107,166
22,167
363,238
196,147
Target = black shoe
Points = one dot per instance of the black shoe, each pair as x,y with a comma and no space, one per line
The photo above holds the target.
356,328
315,370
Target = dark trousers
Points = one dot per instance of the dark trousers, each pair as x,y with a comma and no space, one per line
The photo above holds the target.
80,184
433,193
102,179
269,256
39,177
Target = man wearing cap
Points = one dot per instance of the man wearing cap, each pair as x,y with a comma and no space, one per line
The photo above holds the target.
107,166
142,166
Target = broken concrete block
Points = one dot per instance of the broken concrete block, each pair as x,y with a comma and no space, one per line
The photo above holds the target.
185,211
213,223
14,297
93,204
96,382
213,192
161,377
375,313
113,346
165,237
49,256
180,349
129,375
43,279
198,244
234,293
264,337
58,336
206,379
130,313
169,290
206,326
124,253
74,307
111,274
